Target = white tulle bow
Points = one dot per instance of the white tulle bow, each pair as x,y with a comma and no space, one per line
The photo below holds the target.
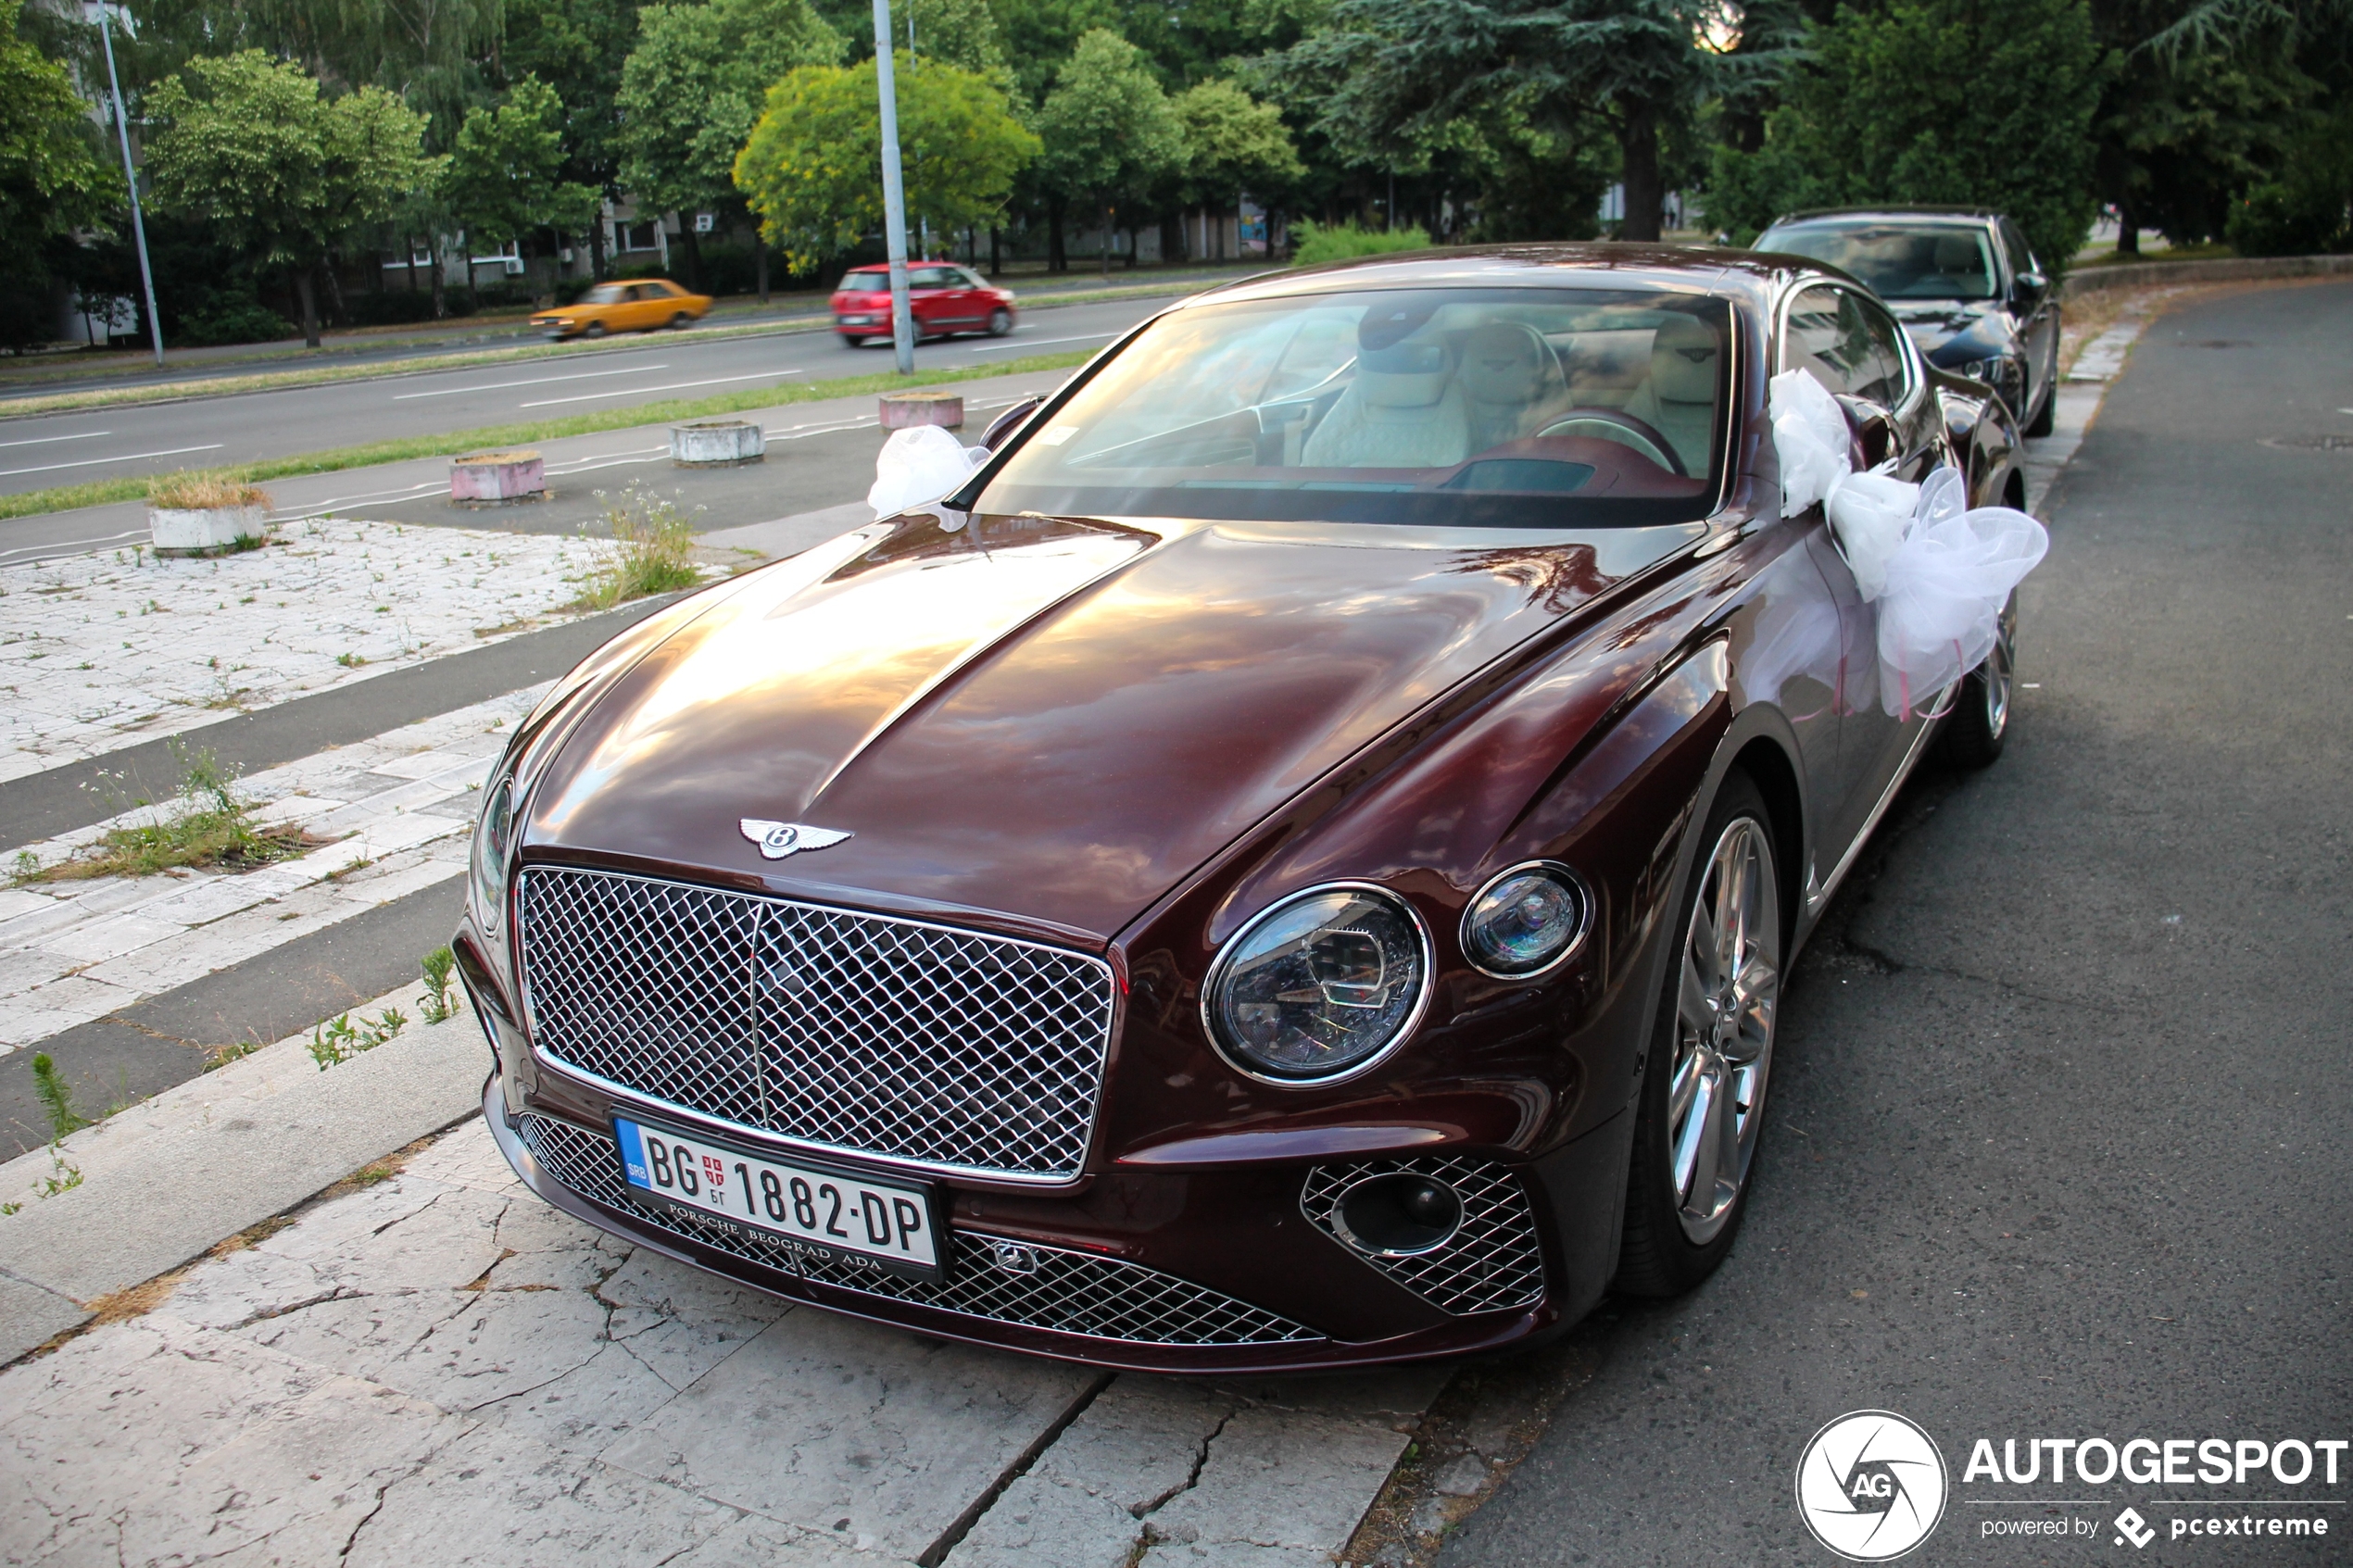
1939,570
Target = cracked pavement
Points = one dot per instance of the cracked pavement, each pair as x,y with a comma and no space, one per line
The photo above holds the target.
440,1368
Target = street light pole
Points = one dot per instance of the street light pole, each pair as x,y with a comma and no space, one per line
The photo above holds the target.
131,178
903,324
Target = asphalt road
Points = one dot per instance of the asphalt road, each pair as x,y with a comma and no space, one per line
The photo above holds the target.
36,454
2059,1133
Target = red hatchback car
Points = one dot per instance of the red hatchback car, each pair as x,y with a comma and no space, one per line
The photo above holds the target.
945,299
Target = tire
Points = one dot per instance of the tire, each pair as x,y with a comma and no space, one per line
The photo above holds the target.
594,329
681,321
853,342
1700,1116
1979,725
2045,417
1001,322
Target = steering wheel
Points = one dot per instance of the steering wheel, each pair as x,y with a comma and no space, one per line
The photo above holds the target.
1617,427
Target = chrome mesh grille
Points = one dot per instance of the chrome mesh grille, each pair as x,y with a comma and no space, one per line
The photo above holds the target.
1068,1292
838,1030
1493,1261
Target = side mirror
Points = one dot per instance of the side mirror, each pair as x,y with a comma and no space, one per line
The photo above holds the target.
1874,433
1010,420
2031,288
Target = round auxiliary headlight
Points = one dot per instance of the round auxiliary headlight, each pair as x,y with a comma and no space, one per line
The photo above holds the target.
1525,921
1319,986
494,836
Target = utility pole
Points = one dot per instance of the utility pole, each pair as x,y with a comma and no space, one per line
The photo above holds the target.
96,11
902,323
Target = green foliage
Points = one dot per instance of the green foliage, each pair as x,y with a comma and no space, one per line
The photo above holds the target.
1234,144
695,85
49,1086
209,824
1934,101
339,1039
1110,132
439,1006
506,177
51,178
1315,244
281,173
577,48
653,552
2281,218
812,168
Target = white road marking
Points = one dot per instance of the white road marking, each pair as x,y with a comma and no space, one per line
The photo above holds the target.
65,546
540,380
126,458
1041,341
673,386
37,440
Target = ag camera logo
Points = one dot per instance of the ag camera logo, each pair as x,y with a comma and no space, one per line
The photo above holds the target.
1871,1486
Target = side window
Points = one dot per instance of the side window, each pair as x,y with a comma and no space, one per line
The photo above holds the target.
931,278
969,279
2014,244
1889,377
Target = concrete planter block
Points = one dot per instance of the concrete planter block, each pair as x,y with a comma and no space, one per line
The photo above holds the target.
496,479
205,530
900,410
717,444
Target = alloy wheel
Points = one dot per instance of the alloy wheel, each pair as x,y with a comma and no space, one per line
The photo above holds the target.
1730,990
1997,674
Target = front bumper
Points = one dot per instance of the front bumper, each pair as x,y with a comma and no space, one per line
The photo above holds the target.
1218,1270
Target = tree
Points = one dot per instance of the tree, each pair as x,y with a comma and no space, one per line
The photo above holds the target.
1233,144
506,177
577,47
248,144
1405,69
694,87
1935,100
1110,130
51,181
812,168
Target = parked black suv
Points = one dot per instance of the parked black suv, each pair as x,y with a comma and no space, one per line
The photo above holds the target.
1962,281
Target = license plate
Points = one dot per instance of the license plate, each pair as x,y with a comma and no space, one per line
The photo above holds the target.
857,321
892,1226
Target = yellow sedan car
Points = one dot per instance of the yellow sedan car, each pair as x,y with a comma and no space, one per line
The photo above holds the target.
640,306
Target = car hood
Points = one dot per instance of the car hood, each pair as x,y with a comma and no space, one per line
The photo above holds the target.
1932,323
1052,721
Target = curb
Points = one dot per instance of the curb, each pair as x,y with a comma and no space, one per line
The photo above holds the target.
2100,280
167,1179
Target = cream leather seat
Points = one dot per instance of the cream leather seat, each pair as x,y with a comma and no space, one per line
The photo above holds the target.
1402,410
1509,376
1678,399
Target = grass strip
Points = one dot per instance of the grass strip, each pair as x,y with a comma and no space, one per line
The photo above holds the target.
13,408
104,492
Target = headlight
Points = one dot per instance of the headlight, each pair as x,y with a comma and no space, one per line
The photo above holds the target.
1317,987
1525,920
493,838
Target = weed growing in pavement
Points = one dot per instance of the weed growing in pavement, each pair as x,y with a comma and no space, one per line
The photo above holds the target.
653,552
338,1039
55,1096
62,1177
349,660
210,825
222,1055
439,1006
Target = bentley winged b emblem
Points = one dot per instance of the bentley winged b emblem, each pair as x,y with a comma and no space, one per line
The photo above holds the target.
777,840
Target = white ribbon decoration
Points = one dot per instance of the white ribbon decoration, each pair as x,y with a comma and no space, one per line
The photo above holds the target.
919,464
1939,570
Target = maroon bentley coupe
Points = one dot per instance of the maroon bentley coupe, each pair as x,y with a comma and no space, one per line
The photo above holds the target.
1292,865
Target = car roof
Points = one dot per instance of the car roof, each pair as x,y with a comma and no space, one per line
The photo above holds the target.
1601,263
1891,211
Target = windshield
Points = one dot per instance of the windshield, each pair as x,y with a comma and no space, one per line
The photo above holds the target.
1513,407
1897,260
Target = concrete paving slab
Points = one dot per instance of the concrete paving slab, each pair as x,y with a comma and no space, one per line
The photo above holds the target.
822,1420
31,1315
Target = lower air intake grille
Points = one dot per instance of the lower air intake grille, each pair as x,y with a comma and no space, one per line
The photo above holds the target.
1068,1292
1493,1262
